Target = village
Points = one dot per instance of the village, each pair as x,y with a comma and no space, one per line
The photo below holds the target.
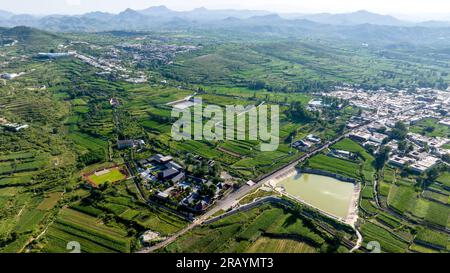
385,111
171,184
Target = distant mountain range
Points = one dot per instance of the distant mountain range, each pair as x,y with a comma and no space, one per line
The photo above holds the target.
355,18
360,26
161,15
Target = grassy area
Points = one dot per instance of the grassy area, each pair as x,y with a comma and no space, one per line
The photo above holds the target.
431,127
444,178
389,243
252,231
269,245
93,235
432,238
402,198
438,214
335,165
88,142
112,176
255,195
50,201
389,220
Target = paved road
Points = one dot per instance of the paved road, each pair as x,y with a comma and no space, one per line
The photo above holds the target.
232,198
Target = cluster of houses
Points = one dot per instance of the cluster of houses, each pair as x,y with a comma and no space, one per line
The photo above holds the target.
11,76
418,162
172,184
130,143
343,154
369,137
163,53
382,109
306,143
55,55
8,42
15,127
100,63
423,154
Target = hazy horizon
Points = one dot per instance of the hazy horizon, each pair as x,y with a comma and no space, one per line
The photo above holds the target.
403,9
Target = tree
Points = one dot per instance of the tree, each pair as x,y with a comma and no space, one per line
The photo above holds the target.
402,146
382,157
298,113
400,131
446,158
432,174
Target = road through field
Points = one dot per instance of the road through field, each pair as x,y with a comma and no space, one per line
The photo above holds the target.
232,198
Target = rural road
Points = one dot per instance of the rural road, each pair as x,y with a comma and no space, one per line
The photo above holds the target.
232,198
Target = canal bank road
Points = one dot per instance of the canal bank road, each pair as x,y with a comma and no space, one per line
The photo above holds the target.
335,198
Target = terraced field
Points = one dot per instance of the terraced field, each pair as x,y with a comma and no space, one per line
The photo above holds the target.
433,239
93,235
268,245
253,231
88,142
335,165
22,162
405,200
389,243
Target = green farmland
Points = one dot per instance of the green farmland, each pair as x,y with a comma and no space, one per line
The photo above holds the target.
252,231
94,237
335,165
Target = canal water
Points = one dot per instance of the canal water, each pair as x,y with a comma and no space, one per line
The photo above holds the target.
325,193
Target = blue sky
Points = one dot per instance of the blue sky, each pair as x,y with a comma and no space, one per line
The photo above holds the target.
412,7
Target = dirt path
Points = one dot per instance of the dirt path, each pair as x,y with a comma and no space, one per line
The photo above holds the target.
358,242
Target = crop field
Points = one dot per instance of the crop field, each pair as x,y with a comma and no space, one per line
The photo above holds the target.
434,196
29,220
438,214
405,200
148,109
157,220
368,169
389,220
435,239
17,156
251,232
384,188
22,163
93,235
335,165
444,179
50,201
422,249
389,243
127,208
268,245
402,198
88,142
